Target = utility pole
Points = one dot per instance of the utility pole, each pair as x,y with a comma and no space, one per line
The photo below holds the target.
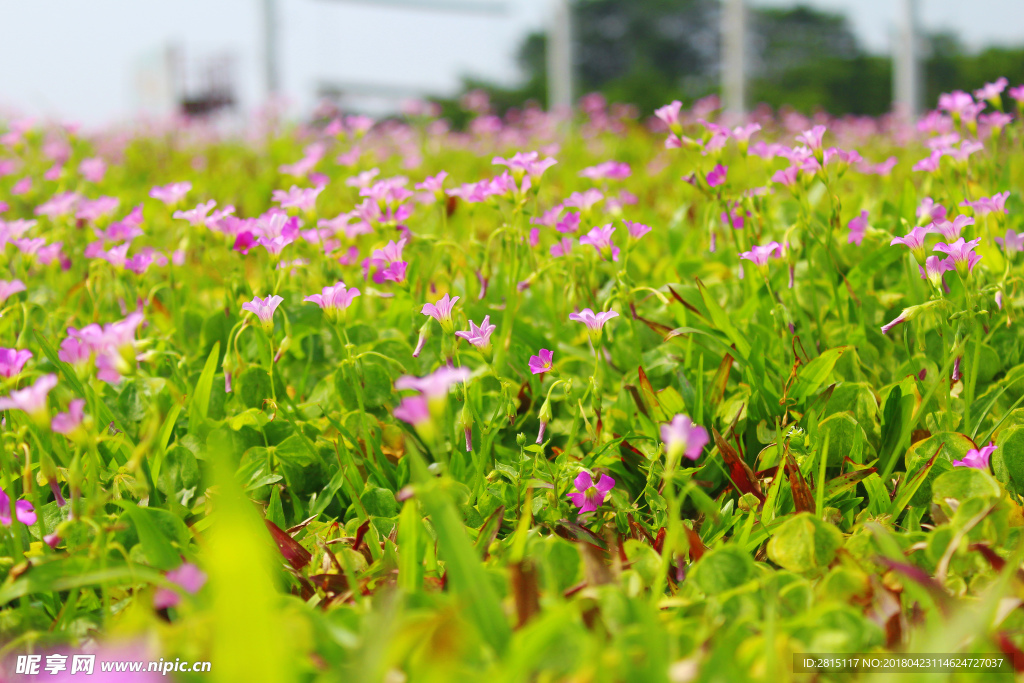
559,57
271,76
906,63
734,39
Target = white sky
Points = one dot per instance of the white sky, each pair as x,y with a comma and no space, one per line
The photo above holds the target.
79,60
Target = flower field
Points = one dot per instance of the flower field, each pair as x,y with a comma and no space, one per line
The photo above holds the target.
548,399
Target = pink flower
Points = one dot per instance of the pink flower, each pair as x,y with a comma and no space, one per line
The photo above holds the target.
441,311
434,184
716,176
562,247
413,409
588,495
962,254
479,335
570,223
58,205
94,209
903,317
858,225
977,457
601,239
197,216
984,205
594,321
32,399
66,423
636,230
584,201
611,170
682,436
303,199
786,176
956,103
669,115
526,163
93,169
264,310
188,576
759,255
1017,93
933,269
23,509
930,163
12,361
389,261
435,385
992,91
813,138
9,287
542,362
171,194
929,209
914,240
334,299
951,230
1012,242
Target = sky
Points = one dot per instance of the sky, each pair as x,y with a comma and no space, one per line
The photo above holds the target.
98,62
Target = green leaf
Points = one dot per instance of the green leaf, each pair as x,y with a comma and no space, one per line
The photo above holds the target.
380,502
723,569
155,544
199,406
813,375
962,483
804,543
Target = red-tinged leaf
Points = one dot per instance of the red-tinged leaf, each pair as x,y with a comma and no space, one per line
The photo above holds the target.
330,583
803,500
716,390
639,532
577,533
300,526
596,569
697,547
650,397
525,591
489,531
995,561
659,540
742,476
686,304
297,556
636,399
360,533
1010,650
921,578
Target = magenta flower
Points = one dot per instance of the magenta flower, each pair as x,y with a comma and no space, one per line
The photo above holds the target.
334,299
171,194
9,287
188,576
32,399
542,362
197,216
951,230
583,201
435,385
93,209
914,240
63,204
682,437
564,246
12,361
992,91
479,335
434,184
593,321
23,509
570,223
588,495
903,317
787,176
264,310
930,163
389,262
413,409
759,255
977,457
962,254
441,312
601,239
67,423
716,176
526,163
858,225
